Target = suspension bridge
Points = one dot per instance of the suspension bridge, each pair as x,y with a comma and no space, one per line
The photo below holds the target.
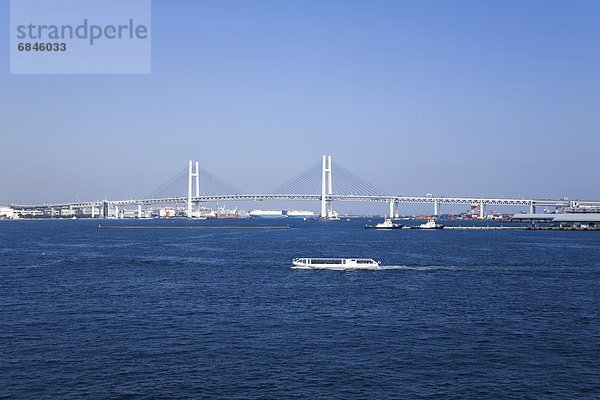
325,182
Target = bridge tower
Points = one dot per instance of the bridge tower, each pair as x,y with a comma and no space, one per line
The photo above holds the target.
191,175
326,188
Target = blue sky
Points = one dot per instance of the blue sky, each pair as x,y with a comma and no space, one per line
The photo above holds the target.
445,97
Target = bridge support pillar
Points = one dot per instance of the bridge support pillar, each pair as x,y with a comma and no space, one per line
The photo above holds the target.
192,174
481,210
531,209
93,212
393,209
139,211
436,208
326,188
116,212
105,209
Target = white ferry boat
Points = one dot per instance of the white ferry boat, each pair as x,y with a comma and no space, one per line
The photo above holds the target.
386,224
335,263
430,224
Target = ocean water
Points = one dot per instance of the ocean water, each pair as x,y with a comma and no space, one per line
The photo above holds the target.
220,314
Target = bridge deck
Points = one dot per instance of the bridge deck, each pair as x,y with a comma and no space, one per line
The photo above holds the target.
313,197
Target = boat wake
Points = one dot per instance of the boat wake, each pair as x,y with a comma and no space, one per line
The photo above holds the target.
421,267
427,268
395,267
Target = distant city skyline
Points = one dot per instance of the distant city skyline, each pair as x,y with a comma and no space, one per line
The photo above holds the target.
471,98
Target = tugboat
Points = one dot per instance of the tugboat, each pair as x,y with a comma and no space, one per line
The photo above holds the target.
386,224
430,224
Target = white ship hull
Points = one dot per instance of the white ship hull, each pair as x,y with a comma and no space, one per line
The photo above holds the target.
336,264
267,214
300,214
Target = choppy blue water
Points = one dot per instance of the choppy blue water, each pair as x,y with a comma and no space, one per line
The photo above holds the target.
220,314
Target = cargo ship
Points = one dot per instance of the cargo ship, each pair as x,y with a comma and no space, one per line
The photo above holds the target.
267,214
300,214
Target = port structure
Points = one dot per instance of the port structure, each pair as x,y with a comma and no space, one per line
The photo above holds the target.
324,182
